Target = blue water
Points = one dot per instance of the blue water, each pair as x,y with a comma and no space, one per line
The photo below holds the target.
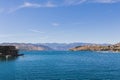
62,65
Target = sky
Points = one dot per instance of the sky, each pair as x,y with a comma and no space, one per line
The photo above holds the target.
60,21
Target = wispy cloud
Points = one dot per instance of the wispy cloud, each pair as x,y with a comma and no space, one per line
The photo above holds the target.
33,5
73,2
28,4
36,5
49,4
55,24
36,31
106,1
77,2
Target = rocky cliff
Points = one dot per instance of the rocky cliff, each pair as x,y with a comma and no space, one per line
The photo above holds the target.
115,47
8,51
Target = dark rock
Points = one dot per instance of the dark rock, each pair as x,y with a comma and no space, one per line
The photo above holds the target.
8,51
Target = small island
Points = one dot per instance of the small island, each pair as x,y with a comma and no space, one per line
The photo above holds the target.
9,51
94,47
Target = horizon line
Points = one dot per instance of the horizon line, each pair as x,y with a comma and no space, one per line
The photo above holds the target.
60,42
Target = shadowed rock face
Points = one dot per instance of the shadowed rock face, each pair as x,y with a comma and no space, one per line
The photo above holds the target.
115,48
8,50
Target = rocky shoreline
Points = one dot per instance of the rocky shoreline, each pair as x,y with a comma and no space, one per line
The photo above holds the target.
9,51
113,48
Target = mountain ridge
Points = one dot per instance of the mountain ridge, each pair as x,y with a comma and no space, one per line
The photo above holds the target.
114,48
27,46
47,46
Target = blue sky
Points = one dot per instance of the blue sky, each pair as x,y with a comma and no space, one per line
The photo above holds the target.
62,21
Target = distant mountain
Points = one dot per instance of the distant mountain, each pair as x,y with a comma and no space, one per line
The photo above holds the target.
64,46
46,46
28,47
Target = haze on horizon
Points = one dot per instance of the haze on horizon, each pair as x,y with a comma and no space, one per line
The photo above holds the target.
61,21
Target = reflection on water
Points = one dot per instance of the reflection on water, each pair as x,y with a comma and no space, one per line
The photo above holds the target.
7,68
8,59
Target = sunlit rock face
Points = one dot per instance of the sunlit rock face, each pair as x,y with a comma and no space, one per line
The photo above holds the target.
115,48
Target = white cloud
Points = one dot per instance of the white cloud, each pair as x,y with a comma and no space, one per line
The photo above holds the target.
28,4
63,3
33,5
36,31
73,2
77,2
37,5
49,5
55,24
106,1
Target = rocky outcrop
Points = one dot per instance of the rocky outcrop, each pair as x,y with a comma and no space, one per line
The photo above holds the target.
8,51
115,48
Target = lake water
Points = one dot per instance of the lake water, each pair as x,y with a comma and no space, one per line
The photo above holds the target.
61,65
